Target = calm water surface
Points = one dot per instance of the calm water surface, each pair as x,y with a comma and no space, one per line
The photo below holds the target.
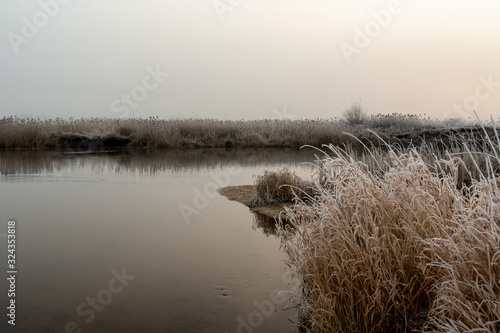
102,244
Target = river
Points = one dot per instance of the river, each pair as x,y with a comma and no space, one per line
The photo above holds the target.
140,241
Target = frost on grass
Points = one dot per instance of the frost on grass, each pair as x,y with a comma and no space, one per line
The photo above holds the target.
399,243
282,186
31,133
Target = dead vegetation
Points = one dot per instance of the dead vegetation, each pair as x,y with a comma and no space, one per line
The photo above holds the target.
94,133
282,186
399,243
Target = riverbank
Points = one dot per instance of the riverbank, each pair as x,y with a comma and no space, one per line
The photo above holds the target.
101,133
405,242
398,246
244,195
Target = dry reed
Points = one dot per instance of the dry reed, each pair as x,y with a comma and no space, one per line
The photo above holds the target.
18,133
398,245
282,186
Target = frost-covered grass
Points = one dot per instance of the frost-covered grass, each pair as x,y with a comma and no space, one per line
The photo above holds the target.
282,186
400,242
18,133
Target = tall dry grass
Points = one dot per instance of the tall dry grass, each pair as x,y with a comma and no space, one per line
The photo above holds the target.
282,186
398,247
18,133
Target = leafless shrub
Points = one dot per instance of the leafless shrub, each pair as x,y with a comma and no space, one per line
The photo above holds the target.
355,114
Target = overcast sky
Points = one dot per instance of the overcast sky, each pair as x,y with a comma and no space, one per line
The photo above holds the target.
242,59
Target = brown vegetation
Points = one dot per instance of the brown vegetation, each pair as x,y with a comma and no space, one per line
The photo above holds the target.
96,133
282,186
399,244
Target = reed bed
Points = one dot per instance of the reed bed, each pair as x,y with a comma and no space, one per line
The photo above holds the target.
399,244
17,133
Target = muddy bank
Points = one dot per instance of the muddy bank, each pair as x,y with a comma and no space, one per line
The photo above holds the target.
244,194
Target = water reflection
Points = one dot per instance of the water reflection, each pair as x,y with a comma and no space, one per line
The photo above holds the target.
147,162
267,224
81,216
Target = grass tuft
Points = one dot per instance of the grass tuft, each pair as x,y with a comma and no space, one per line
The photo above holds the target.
282,186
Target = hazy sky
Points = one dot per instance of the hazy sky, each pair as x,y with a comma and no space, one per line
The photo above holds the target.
242,59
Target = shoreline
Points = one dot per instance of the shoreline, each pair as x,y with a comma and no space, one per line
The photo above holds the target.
97,134
244,193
